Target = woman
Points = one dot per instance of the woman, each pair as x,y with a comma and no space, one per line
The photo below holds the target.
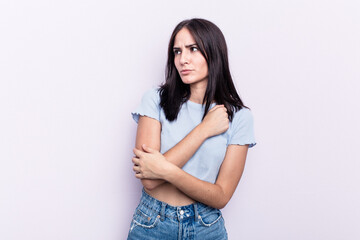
192,139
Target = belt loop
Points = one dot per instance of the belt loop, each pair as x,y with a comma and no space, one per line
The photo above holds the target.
196,212
162,212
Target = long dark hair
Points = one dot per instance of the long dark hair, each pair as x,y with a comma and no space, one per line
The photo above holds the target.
220,87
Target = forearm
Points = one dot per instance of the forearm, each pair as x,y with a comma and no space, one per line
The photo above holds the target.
186,148
215,122
210,194
153,165
180,153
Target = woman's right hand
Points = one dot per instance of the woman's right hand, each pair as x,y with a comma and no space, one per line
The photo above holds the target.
216,121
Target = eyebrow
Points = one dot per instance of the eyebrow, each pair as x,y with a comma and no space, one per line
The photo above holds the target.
186,46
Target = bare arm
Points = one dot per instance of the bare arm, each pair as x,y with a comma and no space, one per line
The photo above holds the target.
216,195
148,133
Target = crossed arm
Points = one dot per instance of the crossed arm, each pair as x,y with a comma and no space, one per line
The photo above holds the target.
149,133
153,168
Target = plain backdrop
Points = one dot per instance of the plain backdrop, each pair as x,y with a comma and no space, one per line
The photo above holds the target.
72,71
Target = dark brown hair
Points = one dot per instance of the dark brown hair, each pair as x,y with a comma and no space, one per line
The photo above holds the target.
220,87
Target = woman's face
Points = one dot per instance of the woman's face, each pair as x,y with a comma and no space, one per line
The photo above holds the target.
189,61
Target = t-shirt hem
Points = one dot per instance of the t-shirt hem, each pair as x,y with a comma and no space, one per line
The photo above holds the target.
252,144
136,116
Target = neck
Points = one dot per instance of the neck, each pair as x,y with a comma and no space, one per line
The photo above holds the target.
197,92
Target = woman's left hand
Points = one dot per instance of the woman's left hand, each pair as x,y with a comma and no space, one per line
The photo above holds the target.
150,163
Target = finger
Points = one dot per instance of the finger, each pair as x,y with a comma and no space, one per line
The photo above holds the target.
147,149
137,152
136,169
213,109
139,175
222,107
216,107
135,160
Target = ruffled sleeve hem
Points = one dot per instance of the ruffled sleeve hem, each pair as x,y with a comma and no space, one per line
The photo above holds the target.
251,144
136,116
149,106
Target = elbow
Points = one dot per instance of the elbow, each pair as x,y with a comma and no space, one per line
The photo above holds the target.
222,203
149,184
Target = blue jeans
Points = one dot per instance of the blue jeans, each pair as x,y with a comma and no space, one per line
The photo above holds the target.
157,220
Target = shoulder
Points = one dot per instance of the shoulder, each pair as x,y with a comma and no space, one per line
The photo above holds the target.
152,94
243,115
149,105
242,128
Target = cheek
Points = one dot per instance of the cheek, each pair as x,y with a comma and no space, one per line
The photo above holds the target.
176,63
205,68
202,64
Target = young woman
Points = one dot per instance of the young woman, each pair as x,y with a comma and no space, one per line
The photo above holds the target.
192,140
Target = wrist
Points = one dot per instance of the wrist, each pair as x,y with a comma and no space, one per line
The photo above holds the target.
170,173
201,131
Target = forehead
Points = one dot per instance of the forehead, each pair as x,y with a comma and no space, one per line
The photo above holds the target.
183,37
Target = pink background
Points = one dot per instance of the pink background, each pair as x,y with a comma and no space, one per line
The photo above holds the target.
72,71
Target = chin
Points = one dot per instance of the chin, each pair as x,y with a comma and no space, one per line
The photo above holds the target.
187,81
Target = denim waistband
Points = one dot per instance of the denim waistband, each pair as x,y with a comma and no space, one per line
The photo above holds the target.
175,212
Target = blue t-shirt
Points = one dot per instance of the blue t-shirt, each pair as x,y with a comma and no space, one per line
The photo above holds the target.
206,161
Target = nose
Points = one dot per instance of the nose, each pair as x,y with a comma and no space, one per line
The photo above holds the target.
184,58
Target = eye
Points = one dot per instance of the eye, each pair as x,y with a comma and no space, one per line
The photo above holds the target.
194,49
177,51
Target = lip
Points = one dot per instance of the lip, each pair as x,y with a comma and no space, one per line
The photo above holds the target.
185,71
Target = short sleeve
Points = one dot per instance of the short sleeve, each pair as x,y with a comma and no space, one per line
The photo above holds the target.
149,106
242,128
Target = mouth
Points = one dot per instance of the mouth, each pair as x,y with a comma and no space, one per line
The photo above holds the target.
185,71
